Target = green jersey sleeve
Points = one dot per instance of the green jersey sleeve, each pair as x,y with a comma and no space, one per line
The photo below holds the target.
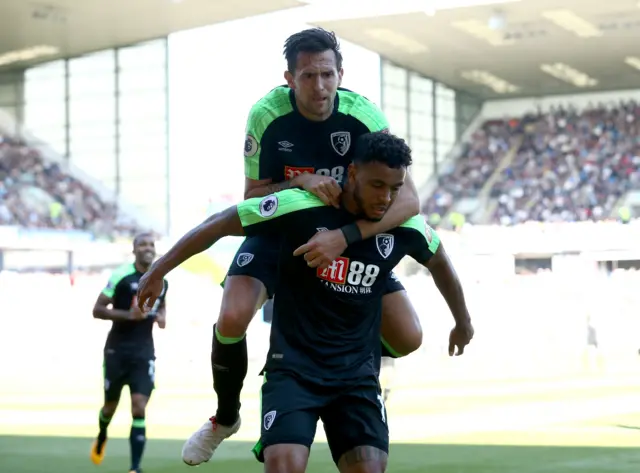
276,212
117,276
262,115
426,241
363,110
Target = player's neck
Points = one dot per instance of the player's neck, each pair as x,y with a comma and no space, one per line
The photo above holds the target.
140,267
347,201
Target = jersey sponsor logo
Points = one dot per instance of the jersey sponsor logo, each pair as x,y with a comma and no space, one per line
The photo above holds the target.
285,146
341,142
269,417
269,205
337,173
384,243
244,259
349,276
250,146
336,272
291,171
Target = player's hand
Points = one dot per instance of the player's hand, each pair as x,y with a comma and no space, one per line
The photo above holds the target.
324,188
460,337
150,287
322,248
135,312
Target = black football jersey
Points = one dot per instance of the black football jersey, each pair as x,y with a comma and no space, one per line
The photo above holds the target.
326,323
122,289
280,143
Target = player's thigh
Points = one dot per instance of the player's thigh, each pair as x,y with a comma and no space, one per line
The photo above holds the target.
289,416
357,420
286,458
141,380
258,258
114,375
401,329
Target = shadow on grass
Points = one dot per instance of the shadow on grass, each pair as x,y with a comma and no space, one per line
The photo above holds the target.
628,427
71,455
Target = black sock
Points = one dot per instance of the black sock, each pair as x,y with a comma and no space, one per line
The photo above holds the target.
229,362
137,440
103,422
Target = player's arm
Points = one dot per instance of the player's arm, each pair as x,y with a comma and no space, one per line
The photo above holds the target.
448,284
258,166
199,239
264,187
251,217
428,250
258,181
103,308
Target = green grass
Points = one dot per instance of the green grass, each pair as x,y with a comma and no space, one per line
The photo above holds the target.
69,455
590,424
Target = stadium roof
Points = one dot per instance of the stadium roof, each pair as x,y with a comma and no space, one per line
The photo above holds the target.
80,26
541,47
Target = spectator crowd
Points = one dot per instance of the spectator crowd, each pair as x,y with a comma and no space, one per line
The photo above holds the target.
570,165
36,194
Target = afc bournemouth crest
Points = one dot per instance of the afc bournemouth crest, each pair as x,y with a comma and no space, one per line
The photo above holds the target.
384,242
341,142
244,259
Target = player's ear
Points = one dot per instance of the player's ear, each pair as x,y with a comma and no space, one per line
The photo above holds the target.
340,74
289,78
351,172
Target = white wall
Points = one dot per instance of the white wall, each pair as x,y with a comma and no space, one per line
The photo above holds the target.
518,107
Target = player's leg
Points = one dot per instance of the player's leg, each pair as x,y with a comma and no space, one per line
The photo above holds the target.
401,332
356,427
141,385
289,420
113,372
286,458
250,280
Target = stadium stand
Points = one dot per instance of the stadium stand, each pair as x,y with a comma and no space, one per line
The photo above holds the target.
478,161
566,165
572,166
35,193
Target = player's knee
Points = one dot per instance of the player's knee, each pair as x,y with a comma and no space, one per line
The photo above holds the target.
138,406
109,409
242,297
286,458
364,459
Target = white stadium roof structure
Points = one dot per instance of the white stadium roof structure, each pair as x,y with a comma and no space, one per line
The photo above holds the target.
492,49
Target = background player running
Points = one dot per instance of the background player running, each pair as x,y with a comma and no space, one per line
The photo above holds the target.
299,135
324,353
129,354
